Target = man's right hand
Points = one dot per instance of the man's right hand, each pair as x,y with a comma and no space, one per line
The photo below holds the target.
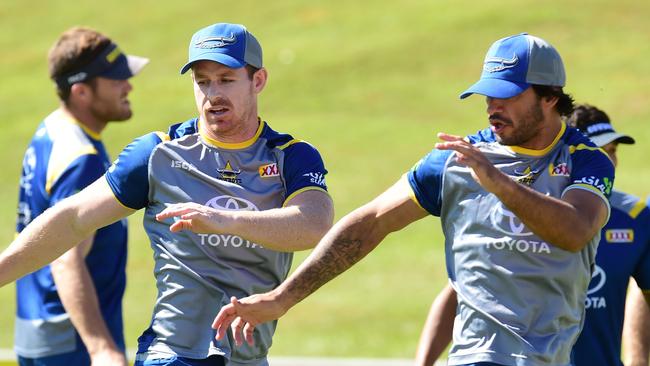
245,314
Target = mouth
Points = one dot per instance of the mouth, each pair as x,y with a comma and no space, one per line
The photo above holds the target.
497,124
217,110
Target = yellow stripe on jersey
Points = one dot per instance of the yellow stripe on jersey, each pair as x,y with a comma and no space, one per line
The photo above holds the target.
636,210
531,152
579,147
233,145
294,141
310,188
68,144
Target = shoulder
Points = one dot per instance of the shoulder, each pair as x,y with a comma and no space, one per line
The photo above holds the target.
277,140
181,129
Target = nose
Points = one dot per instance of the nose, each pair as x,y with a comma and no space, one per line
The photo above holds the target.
494,105
127,85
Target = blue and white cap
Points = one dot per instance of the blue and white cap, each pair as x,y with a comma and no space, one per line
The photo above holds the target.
231,45
111,63
513,63
602,133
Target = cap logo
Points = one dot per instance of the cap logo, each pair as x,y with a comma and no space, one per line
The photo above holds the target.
77,77
216,42
599,127
496,64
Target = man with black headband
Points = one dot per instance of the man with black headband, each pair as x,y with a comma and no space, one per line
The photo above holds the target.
70,312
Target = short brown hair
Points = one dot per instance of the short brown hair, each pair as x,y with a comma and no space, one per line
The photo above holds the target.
75,48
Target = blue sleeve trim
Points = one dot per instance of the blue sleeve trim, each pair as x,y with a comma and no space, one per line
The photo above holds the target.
425,179
303,167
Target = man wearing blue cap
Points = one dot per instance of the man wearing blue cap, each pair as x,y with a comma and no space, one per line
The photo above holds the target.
264,192
70,312
623,252
521,204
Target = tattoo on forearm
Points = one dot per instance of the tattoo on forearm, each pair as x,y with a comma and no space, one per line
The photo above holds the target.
328,263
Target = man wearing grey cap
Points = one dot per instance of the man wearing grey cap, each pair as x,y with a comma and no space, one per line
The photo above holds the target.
264,190
623,252
70,312
521,205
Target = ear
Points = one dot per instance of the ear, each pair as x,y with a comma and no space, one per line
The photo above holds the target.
259,80
549,102
80,92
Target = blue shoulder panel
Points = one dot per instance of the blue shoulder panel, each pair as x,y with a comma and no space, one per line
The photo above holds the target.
425,179
128,176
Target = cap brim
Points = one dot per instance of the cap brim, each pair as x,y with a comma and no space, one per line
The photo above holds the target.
125,67
495,88
606,138
216,57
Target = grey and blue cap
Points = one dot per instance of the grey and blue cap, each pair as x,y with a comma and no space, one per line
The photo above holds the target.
514,63
229,44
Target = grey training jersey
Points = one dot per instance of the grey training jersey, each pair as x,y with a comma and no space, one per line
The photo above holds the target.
520,299
196,274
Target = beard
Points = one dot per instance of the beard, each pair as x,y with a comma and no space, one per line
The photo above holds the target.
528,126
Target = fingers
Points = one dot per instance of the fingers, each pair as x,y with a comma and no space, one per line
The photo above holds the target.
176,209
223,320
249,330
228,316
236,327
447,137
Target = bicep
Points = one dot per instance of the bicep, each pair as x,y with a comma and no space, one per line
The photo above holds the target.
96,206
396,207
591,207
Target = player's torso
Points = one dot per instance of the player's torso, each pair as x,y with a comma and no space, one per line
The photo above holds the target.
50,163
197,273
505,271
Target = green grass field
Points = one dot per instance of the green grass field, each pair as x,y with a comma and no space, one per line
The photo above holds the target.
369,83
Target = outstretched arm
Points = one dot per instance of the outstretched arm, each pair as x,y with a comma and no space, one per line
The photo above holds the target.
569,222
636,330
60,228
345,244
438,329
299,225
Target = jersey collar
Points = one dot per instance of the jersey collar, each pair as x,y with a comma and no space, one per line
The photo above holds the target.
234,145
533,152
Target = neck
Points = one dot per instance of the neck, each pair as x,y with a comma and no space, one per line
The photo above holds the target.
242,133
84,117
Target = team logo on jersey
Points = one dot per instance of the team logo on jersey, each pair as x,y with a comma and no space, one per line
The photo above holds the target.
496,64
527,176
507,222
269,170
316,178
230,203
229,174
619,236
215,42
598,280
559,170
